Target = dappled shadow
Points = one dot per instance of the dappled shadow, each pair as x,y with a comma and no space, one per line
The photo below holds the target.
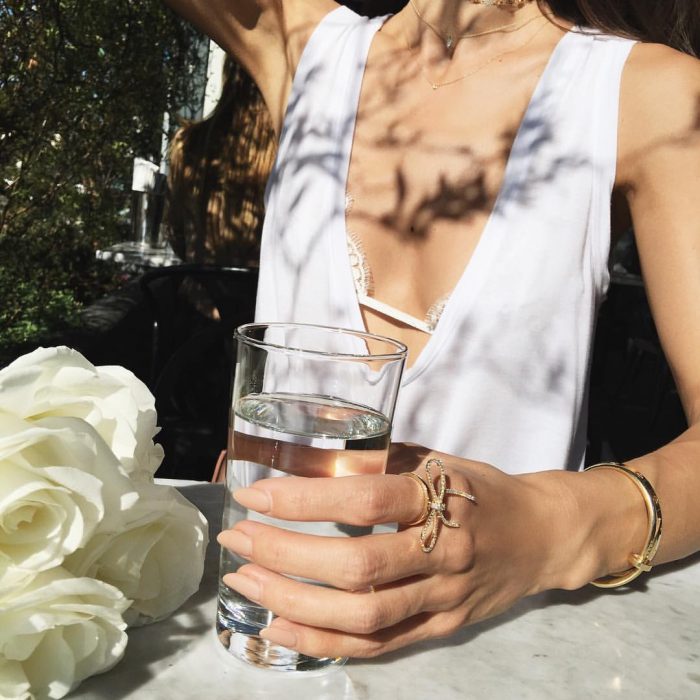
485,188
548,601
519,217
175,636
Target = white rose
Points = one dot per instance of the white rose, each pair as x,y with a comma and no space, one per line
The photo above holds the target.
61,382
156,560
57,630
59,484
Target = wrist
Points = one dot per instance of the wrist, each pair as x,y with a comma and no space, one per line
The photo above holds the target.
554,509
640,561
596,520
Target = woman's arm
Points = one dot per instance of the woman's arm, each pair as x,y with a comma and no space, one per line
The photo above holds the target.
265,36
660,172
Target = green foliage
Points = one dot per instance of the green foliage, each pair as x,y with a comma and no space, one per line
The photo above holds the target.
83,88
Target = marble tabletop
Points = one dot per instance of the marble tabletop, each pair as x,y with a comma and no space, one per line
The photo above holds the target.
639,643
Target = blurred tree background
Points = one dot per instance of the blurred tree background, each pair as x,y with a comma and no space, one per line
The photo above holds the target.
84,85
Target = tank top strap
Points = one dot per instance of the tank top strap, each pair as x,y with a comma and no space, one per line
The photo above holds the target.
299,246
598,106
327,82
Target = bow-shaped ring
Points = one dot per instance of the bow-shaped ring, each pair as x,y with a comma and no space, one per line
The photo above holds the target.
435,504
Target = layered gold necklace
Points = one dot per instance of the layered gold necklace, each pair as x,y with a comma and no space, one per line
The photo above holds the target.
502,3
450,39
497,57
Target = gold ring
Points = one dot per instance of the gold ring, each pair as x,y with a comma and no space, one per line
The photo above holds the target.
436,506
426,499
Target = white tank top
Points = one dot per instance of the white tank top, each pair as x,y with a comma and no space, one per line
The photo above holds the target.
503,377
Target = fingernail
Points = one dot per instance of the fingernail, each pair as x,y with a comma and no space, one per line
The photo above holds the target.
236,541
277,635
253,499
244,585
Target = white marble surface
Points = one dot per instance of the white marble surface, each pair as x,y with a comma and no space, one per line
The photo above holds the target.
640,643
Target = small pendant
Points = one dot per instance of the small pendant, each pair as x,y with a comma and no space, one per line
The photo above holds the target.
449,41
435,86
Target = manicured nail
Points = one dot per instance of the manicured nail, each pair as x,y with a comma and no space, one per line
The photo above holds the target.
236,541
276,635
253,499
244,585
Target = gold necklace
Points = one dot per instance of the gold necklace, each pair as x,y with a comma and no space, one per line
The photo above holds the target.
502,3
450,39
435,85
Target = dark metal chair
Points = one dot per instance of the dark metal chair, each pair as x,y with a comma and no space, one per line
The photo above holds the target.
195,310
635,407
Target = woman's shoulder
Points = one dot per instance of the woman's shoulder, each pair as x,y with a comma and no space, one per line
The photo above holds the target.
658,63
661,78
660,99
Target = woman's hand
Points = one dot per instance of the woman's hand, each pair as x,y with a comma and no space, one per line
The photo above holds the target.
386,591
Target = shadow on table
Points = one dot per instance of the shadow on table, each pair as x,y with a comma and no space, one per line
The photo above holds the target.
169,638
547,600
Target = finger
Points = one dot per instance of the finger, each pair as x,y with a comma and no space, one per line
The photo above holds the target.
350,563
359,612
406,457
354,500
321,642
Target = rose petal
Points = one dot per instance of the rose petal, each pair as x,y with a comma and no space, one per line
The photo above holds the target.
57,630
59,484
60,382
145,560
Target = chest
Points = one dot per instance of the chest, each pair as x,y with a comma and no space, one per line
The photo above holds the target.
425,169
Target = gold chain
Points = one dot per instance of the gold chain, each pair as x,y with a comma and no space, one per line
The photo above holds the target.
501,3
435,85
450,39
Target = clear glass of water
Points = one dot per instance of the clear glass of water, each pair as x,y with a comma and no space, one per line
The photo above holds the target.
307,401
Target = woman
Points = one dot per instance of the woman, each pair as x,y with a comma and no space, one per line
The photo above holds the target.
468,154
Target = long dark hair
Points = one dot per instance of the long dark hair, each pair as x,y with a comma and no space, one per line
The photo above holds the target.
675,23
218,170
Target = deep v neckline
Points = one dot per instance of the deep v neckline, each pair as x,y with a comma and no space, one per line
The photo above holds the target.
484,252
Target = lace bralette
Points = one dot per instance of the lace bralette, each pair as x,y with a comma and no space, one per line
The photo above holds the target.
364,287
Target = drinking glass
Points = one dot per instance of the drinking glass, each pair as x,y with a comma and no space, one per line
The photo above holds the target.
308,401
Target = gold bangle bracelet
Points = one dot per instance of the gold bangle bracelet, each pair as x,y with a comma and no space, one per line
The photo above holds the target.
640,562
